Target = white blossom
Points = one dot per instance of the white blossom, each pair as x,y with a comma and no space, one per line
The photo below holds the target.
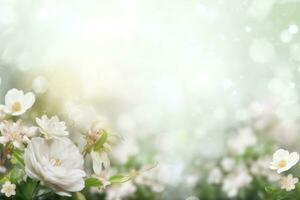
228,164
215,176
124,150
17,103
57,163
261,167
100,161
52,127
243,140
15,133
288,182
233,182
9,189
283,160
120,191
151,177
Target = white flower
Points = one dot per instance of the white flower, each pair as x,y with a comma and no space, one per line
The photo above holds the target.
261,167
52,128
151,177
15,133
9,189
57,163
240,142
17,103
283,160
2,169
120,191
100,161
235,181
228,164
126,149
215,176
288,182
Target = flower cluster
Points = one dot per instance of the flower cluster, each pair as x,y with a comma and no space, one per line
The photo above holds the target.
247,169
45,160
283,161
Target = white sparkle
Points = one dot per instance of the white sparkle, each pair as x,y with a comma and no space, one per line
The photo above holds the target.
293,29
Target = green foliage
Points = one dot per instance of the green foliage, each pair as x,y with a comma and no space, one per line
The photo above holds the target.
100,142
92,182
119,179
78,196
16,175
17,157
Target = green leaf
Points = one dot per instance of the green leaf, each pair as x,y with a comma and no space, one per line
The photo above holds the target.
17,157
92,182
78,196
100,142
5,177
28,188
16,175
119,179
270,189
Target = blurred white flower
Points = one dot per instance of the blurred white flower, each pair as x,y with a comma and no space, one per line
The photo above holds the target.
15,133
2,169
261,167
40,85
215,176
283,160
9,189
261,51
100,161
151,177
228,164
124,150
17,103
191,179
286,132
243,140
192,198
57,163
233,182
288,182
52,127
120,191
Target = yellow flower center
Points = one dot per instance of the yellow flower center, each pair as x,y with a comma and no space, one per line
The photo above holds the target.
16,106
282,163
55,162
9,189
15,136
